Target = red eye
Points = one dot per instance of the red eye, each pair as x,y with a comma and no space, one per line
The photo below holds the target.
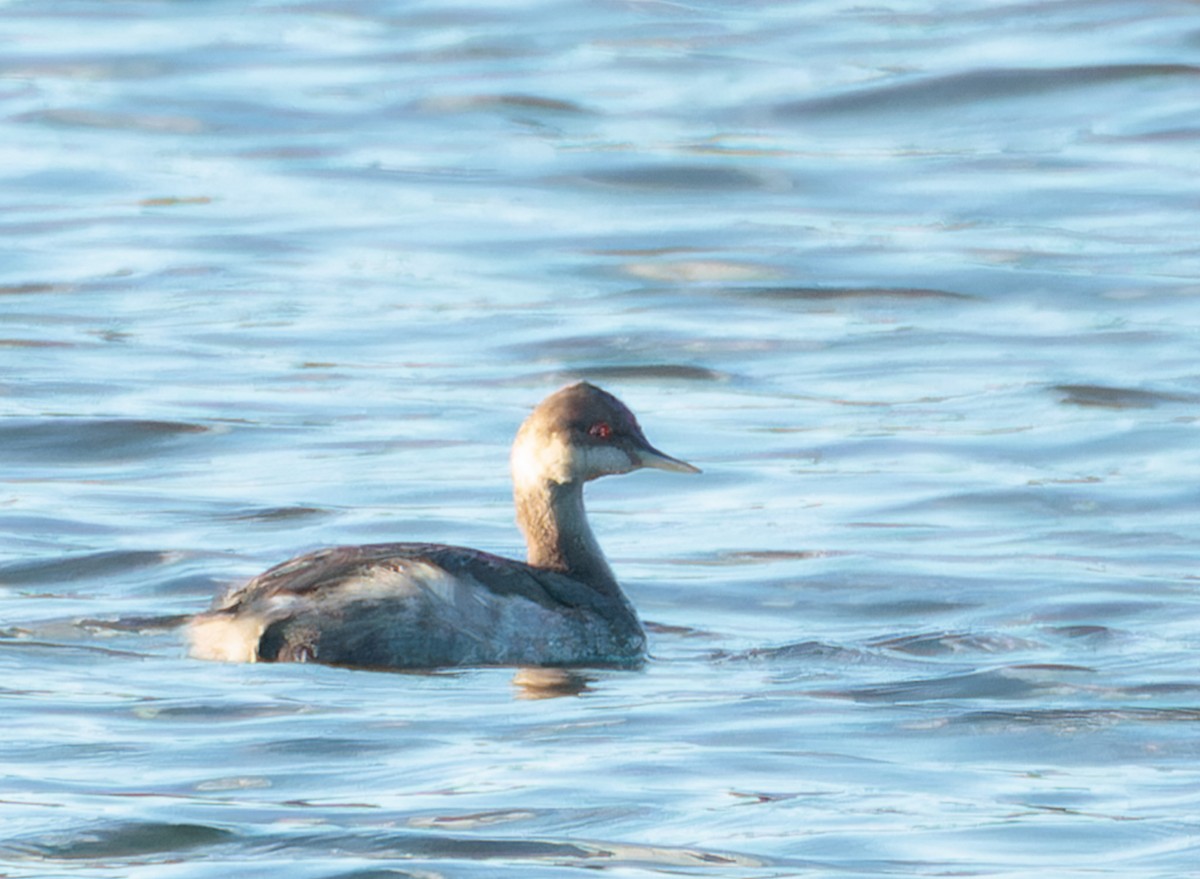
600,430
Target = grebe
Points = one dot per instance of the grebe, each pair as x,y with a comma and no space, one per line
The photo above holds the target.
422,605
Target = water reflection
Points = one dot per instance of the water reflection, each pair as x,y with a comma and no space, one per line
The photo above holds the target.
550,683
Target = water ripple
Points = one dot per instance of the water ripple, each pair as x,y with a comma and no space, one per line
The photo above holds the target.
88,440
936,93
121,841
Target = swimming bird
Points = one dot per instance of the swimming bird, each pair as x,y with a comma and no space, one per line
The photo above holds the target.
422,605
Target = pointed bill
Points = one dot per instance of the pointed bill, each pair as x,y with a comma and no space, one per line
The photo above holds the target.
652,457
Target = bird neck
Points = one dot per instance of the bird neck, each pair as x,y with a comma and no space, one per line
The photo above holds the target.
557,534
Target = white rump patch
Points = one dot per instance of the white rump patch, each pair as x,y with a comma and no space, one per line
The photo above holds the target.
234,635
225,637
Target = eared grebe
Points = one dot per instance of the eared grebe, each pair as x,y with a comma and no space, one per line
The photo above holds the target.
421,605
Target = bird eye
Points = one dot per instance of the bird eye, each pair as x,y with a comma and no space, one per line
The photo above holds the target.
600,430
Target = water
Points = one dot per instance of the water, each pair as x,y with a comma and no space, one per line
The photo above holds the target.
915,284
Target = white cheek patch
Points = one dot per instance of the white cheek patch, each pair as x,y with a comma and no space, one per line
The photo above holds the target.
606,459
557,461
533,463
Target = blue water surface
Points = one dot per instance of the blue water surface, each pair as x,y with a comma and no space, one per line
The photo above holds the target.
917,284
